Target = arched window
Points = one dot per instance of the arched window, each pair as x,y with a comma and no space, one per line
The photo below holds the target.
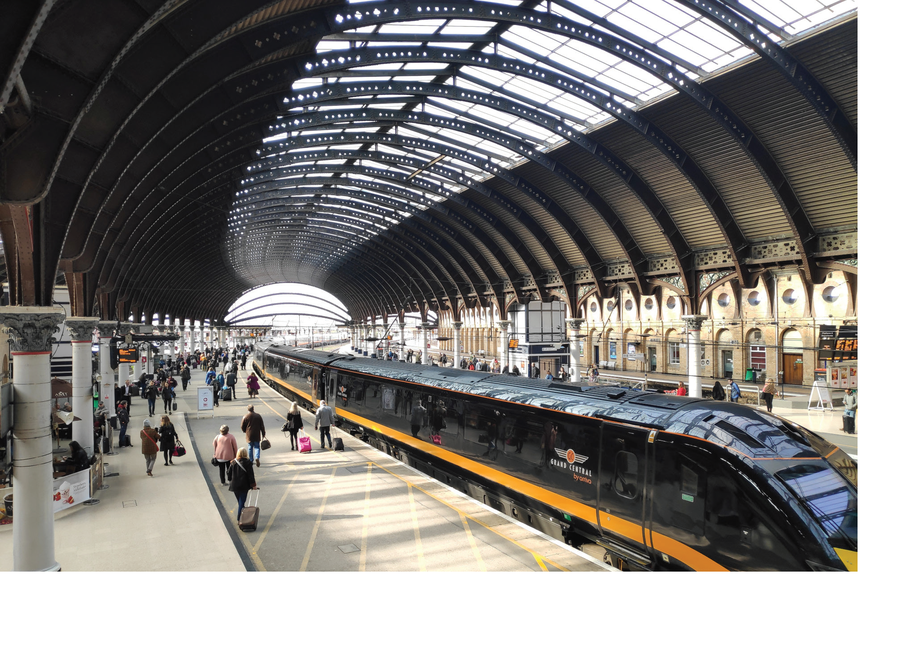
792,342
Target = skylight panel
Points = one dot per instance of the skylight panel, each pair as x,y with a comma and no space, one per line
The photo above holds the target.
326,45
696,44
494,77
572,105
780,12
632,76
713,35
647,18
535,130
677,15
679,50
306,82
574,60
492,115
418,65
528,87
541,42
427,26
634,27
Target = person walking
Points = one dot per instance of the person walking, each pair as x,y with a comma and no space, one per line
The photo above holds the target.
768,393
323,419
167,439
253,427
123,415
151,393
230,382
244,358
225,449
215,385
850,411
295,424
241,479
186,376
734,390
149,438
418,414
167,394
718,391
253,385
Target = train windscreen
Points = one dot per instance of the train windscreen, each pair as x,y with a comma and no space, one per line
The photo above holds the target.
828,498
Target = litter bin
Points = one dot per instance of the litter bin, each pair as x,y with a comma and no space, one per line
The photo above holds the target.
750,376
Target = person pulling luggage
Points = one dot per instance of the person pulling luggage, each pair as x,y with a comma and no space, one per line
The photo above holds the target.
323,419
241,479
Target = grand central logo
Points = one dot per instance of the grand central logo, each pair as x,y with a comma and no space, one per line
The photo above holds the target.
571,459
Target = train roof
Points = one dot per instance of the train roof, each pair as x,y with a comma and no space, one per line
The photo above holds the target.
746,430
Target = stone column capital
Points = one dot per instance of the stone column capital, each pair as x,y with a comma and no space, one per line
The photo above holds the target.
427,325
31,328
81,328
504,324
457,325
575,324
694,322
106,328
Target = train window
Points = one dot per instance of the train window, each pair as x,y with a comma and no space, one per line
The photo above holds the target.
688,483
626,474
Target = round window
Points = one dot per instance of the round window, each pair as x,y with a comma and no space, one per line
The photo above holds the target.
790,296
671,303
754,298
648,304
610,306
629,305
831,294
593,306
723,300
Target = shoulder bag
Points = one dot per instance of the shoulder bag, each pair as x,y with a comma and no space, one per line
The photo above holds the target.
265,443
180,449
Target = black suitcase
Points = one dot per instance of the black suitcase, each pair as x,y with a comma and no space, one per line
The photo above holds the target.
337,444
127,441
227,395
848,424
250,513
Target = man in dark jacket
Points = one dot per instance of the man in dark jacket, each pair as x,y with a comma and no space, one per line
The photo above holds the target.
253,427
230,382
123,415
151,394
186,376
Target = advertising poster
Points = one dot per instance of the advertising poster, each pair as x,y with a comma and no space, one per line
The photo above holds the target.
833,377
843,376
205,398
852,379
72,489
612,354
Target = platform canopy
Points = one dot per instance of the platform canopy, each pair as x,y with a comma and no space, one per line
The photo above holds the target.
166,156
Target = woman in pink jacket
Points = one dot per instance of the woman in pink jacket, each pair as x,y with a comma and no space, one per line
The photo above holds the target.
224,451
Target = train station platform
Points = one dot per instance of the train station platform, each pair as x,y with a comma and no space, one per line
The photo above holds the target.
354,510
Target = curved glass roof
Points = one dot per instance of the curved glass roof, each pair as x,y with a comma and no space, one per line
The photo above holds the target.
406,104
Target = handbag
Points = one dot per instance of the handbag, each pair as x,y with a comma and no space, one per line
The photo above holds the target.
180,449
285,427
437,439
265,444
763,395
213,460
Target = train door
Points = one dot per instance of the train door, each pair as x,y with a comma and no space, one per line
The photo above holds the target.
622,496
317,383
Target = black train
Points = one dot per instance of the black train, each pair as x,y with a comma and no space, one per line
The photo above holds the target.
660,481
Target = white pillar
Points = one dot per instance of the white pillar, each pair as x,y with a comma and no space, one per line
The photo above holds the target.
31,330
191,336
504,341
425,332
402,334
107,388
82,329
575,348
456,344
693,324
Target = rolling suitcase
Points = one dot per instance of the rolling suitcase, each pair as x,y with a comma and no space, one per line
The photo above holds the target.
304,444
127,441
250,513
337,444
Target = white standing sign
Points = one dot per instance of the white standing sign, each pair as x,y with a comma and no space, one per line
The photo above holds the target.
205,398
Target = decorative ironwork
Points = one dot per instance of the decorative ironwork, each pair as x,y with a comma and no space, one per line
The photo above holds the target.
709,278
676,281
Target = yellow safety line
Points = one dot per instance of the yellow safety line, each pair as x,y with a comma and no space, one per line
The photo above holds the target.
279,505
480,565
476,520
363,560
540,561
307,554
422,564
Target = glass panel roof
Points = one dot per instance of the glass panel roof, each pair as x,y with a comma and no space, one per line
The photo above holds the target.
660,30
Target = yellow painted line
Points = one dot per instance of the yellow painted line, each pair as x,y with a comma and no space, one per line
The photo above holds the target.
421,562
480,565
476,520
363,559
257,546
307,553
540,562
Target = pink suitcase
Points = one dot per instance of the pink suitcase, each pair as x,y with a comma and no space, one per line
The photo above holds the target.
304,444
